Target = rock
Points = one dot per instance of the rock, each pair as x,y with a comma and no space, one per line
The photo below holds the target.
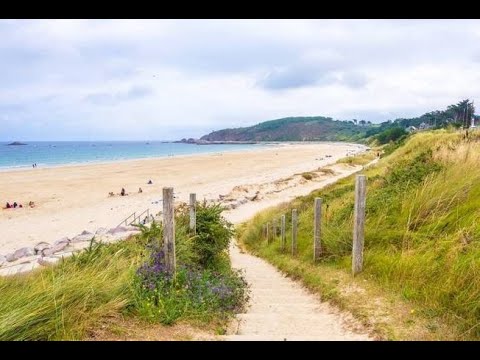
85,232
3,260
101,231
11,257
62,240
40,247
23,252
48,260
117,230
84,236
20,268
58,245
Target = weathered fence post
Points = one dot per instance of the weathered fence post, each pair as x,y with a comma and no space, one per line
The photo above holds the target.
294,231
282,231
193,213
359,223
264,231
268,233
169,229
274,230
317,232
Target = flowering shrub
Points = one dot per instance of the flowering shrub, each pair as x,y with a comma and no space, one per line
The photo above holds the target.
189,293
204,286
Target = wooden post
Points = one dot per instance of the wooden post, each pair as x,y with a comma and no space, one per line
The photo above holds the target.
268,237
193,213
169,229
359,223
317,232
274,230
282,231
294,231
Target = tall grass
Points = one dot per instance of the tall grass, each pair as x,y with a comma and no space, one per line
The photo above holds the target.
422,236
65,301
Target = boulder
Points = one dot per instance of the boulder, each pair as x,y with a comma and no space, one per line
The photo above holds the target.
58,246
84,236
11,257
40,247
101,231
117,230
48,260
61,241
23,252
17,269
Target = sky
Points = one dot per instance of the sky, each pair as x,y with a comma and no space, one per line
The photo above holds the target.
169,79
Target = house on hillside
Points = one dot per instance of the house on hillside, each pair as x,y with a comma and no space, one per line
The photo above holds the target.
411,129
423,126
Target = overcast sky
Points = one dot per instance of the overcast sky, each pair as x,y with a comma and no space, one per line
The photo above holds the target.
167,79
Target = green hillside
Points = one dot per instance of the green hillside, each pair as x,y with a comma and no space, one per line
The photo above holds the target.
422,239
293,129
319,128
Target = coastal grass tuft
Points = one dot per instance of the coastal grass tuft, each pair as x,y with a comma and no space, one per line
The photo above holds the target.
422,234
68,300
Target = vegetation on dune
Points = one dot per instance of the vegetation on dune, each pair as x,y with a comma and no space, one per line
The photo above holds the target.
67,300
320,128
422,231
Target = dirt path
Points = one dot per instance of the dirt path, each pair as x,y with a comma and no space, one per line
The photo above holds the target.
280,308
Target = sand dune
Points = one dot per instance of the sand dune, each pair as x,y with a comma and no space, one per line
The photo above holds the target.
71,199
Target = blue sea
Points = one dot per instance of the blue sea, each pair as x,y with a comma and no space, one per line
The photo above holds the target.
57,153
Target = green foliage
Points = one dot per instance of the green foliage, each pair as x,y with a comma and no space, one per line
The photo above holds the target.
65,301
204,286
191,294
213,237
422,233
392,134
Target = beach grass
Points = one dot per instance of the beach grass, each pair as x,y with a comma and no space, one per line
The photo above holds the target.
422,233
68,300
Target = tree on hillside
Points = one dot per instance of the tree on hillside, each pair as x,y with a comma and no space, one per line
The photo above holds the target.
461,112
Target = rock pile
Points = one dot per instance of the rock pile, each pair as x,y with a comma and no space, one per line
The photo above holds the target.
44,254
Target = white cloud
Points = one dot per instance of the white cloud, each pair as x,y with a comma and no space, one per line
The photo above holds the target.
167,79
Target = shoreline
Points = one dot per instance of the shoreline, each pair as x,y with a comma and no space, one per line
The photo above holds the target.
261,145
71,199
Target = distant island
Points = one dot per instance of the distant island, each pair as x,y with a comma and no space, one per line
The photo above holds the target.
17,143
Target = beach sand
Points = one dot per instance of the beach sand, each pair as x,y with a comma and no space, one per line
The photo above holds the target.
71,199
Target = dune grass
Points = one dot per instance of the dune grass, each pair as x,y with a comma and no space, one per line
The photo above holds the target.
422,237
63,301
68,300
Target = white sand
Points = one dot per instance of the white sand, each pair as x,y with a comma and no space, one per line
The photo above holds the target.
71,199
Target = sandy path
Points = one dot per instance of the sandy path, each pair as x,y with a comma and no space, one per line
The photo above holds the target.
279,308
71,199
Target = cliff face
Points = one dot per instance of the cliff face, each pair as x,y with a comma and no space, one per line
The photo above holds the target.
291,129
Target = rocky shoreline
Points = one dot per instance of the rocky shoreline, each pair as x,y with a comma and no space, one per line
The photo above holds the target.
44,254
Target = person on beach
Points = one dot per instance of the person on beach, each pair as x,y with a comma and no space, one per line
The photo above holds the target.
15,204
31,204
140,190
122,193
150,182
8,206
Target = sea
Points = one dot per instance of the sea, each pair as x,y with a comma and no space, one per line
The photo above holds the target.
58,153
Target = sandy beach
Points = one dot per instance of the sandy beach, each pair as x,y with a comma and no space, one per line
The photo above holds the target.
71,199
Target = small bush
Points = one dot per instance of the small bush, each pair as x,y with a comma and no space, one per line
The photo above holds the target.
307,176
191,292
392,134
